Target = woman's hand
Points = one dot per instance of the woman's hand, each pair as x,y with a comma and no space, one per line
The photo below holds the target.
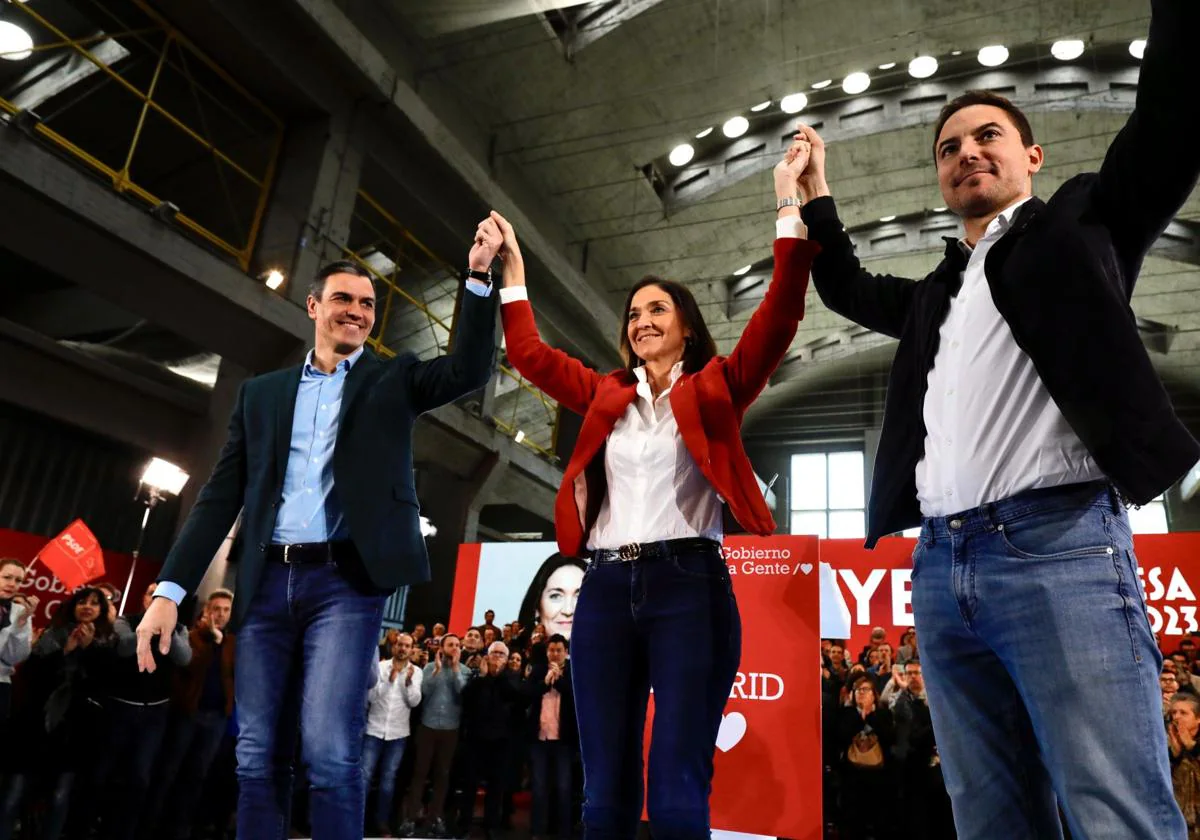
510,252
486,245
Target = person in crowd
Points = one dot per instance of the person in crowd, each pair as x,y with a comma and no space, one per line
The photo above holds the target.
489,620
388,643
490,634
390,704
113,594
1015,451
473,648
435,639
322,475
487,725
201,705
908,646
16,630
442,684
137,710
506,635
1183,731
551,598
865,735
924,805
516,662
878,637
1168,683
642,494
57,728
418,636
553,738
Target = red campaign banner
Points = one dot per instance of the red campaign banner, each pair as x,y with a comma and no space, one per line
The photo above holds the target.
768,761
74,556
877,585
51,592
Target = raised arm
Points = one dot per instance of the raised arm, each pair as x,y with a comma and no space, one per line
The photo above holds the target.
471,360
567,380
879,302
1149,172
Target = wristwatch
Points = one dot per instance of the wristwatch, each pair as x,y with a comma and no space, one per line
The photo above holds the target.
481,276
788,202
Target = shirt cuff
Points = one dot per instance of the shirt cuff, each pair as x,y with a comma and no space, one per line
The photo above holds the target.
788,227
510,294
167,589
479,287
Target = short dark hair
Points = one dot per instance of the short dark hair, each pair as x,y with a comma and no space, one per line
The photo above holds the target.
700,347
984,97
558,637
317,287
217,594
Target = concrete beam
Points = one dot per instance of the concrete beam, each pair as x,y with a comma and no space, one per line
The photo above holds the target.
65,70
69,386
582,26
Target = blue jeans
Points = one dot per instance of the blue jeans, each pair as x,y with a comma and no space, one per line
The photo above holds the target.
188,752
1042,671
550,766
392,753
307,655
672,623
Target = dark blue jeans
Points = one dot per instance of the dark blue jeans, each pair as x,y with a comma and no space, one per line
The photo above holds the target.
377,751
1042,671
672,623
189,750
307,655
550,766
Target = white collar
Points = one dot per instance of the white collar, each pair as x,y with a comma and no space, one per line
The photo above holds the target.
676,372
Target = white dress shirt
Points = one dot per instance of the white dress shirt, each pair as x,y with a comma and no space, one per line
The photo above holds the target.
390,704
992,428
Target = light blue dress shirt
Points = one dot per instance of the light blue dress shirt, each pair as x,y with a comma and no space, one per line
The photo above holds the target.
310,511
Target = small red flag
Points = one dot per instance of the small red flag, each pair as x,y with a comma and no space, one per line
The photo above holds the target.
74,556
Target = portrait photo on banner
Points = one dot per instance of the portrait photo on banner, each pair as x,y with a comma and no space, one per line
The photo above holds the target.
530,582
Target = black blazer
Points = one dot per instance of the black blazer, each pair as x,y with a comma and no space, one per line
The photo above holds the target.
1062,278
536,688
372,461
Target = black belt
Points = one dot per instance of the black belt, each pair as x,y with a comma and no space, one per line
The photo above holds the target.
656,550
312,553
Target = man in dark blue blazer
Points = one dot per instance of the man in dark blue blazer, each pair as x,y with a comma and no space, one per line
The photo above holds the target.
319,459
1022,414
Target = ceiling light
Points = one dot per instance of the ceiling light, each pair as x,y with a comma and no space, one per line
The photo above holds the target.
274,279
682,154
15,42
993,56
1137,48
922,67
887,66
939,209
701,135
735,127
743,270
793,103
821,85
761,106
1067,50
856,83
519,436
886,219
956,52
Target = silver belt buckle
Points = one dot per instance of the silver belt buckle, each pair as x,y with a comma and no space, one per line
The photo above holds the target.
630,551
286,549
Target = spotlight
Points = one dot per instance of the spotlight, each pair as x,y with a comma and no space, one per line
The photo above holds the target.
163,477
519,436
743,270
735,127
886,219
761,106
939,209
1137,48
682,154
922,67
793,103
993,56
701,135
887,66
15,42
1066,50
856,83
821,85
274,279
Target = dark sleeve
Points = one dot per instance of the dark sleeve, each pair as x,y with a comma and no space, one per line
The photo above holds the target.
1146,177
879,302
847,724
215,510
881,721
468,366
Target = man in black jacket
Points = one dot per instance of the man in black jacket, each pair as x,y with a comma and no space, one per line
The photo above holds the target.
1022,410
321,457
554,739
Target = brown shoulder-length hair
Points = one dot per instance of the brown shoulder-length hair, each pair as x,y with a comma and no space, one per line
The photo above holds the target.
699,348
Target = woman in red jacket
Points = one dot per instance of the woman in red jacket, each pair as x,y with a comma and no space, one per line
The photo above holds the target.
658,452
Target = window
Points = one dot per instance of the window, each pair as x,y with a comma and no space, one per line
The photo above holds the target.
1150,518
827,495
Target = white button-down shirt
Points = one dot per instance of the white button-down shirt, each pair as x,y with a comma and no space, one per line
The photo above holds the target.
992,428
390,704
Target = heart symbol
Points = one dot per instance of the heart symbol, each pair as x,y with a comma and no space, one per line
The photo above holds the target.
733,729
806,568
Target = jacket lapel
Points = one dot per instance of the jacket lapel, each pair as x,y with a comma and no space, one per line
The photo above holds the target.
285,409
355,379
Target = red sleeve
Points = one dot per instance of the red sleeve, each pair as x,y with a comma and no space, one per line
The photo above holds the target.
567,380
771,328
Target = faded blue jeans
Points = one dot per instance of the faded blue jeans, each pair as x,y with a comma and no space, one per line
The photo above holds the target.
1042,671
391,753
306,654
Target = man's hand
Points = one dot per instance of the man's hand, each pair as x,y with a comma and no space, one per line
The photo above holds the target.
812,182
408,674
30,602
510,252
159,620
488,240
454,660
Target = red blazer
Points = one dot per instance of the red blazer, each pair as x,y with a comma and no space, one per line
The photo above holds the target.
708,405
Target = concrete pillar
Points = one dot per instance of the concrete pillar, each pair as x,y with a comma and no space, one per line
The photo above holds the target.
312,202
